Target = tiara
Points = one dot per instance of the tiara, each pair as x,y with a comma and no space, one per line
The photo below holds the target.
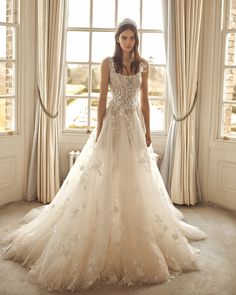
127,21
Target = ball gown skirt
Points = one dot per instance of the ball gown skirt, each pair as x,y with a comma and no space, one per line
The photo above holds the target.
112,220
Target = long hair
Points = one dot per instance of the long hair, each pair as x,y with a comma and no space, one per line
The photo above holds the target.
118,54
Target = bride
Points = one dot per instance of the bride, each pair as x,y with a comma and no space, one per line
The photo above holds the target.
112,220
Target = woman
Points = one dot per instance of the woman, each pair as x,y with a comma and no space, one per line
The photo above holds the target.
112,220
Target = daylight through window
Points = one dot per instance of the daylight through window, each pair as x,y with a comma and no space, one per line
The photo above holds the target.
8,33
228,110
90,38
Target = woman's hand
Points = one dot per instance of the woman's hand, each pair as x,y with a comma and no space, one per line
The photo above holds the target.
148,139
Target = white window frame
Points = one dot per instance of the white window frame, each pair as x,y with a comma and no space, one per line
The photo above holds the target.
91,64
15,25
225,18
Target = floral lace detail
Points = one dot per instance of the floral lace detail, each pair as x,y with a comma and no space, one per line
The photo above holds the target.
124,89
143,67
145,160
94,164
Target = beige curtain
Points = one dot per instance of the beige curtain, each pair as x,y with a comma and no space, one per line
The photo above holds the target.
182,21
43,180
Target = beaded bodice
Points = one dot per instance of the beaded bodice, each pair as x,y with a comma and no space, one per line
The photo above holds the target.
125,89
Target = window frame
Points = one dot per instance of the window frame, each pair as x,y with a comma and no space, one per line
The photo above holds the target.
225,19
15,62
91,64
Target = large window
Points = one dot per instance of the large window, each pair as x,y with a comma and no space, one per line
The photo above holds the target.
90,38
228,109
8,32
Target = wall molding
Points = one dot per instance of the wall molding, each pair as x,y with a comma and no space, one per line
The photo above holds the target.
8,171
226,175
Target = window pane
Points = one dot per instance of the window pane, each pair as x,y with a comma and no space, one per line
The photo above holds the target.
152,14
232,22
7,11
230,54
79,13
76,113
7,115
7,44
129,9
157,78
7,79
77,46
104,13
77,80
229,120
230,84
103,45
96,77
157,111
153,48
93,113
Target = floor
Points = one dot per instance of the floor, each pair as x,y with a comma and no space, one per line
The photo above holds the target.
218,258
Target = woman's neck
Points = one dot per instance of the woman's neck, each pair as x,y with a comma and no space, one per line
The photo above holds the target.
127,57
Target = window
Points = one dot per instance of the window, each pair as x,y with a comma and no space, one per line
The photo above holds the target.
90,38
228,109
8,32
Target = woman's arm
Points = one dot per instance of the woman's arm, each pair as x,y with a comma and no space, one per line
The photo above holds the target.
103,95
145,104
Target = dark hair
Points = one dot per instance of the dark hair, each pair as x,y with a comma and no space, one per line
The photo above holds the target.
118,54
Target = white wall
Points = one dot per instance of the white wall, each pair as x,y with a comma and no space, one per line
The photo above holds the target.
217,157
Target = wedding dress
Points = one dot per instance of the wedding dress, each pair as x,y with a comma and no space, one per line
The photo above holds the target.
112,220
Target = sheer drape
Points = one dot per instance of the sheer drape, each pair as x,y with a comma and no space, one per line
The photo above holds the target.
182,22
43,180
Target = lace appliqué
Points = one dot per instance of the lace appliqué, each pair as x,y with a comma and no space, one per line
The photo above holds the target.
95,164
143,67
124,90
145,160
124,102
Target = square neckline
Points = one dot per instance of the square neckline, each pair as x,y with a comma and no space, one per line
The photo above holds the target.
123,75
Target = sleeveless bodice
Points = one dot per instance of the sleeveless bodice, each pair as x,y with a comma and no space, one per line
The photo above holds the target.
125,89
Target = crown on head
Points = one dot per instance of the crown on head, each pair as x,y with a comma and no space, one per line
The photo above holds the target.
127,21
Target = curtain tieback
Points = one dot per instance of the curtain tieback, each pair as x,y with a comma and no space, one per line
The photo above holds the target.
189,112
43,106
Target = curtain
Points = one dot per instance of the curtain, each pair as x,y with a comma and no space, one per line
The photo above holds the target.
43,178
182,23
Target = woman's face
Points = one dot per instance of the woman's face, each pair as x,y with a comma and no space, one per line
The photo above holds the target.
127,40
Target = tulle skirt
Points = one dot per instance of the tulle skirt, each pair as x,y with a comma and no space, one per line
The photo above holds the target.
111,221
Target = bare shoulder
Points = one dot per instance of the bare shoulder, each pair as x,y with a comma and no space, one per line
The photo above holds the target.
105,71
105,62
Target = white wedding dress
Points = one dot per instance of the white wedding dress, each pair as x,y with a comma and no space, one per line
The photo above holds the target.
112,220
